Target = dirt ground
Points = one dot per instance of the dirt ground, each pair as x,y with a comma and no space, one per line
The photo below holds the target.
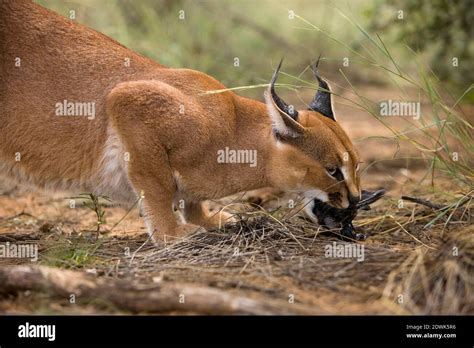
409,265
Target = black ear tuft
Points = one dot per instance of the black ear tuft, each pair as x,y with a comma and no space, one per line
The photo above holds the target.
284,117
280,104
322,102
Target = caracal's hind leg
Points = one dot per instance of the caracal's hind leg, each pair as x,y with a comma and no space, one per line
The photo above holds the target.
197,213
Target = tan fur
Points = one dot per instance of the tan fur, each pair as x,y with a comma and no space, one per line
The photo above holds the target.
139,112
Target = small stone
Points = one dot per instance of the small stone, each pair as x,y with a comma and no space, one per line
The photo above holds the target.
46,227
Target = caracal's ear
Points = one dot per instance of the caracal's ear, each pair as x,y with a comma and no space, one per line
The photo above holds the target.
322,101
284,117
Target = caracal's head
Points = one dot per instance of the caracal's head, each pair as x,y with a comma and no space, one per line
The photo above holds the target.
312,153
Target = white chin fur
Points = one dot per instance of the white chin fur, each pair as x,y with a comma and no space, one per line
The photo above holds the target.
308,201
312,194
308,210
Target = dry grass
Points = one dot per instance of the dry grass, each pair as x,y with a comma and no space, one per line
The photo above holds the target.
408,268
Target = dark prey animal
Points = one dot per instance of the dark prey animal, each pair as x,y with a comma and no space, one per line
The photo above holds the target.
333,218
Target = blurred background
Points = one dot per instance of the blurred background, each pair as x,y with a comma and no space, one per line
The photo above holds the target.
208,35
371,51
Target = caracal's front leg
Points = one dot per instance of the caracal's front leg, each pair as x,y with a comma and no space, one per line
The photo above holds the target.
153,177
142,114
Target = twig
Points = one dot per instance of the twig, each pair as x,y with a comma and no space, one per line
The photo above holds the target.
425,203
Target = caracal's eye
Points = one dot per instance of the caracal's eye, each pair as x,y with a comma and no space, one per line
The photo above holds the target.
332,172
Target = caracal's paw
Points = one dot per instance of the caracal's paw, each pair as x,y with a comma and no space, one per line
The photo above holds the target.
163,239
264,195
218,219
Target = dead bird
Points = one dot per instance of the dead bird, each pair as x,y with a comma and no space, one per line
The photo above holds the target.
334,218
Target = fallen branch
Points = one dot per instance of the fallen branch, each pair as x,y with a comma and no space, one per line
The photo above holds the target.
159,297
19,236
